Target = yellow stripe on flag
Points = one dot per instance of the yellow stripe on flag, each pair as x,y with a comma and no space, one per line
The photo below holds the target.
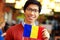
34,32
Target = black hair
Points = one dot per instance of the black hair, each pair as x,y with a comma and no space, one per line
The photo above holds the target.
32,2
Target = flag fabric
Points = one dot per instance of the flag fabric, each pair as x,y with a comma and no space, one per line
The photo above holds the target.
27,30
34,32
31,31
40,31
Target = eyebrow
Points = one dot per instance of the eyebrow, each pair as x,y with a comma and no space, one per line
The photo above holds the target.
33,8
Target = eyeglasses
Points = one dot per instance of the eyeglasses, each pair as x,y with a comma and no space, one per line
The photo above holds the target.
30,10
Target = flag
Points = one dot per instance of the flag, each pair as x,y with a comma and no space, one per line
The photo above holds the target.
32,31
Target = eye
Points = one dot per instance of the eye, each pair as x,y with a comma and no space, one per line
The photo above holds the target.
35,10
29,9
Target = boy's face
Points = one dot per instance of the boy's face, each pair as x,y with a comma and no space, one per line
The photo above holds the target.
31,13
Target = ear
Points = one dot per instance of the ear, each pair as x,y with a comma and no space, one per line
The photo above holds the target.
24,12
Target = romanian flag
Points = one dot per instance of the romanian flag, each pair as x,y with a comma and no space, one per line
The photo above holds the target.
31,31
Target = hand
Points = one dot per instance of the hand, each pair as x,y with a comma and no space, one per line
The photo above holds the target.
45,34
3,34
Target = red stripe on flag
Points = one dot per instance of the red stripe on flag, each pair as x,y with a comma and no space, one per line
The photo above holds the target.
40,37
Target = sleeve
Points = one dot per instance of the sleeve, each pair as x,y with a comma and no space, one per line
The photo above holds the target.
8,35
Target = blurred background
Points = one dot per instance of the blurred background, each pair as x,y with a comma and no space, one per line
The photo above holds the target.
12,12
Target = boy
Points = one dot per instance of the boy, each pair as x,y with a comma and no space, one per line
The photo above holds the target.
31,12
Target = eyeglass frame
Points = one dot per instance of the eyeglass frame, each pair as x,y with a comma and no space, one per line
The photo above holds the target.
30,10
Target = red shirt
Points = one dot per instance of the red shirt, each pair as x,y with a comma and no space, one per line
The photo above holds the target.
16,33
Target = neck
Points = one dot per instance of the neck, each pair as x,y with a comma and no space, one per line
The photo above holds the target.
28,22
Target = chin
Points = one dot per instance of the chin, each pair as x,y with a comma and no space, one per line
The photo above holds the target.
30,20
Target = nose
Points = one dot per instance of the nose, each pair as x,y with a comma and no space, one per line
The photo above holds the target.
32,13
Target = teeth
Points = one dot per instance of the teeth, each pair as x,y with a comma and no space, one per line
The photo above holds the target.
31,17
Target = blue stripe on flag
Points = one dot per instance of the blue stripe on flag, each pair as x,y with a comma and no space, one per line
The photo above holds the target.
27,30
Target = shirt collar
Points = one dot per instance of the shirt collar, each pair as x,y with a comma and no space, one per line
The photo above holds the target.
25,23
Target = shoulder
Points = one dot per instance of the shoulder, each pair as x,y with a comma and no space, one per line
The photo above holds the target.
16,27
13,31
